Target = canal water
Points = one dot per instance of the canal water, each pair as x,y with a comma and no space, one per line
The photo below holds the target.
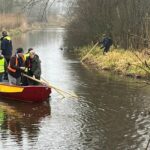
112,113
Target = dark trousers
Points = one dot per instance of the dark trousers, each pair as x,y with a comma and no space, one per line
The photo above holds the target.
1,77
24,81
106,49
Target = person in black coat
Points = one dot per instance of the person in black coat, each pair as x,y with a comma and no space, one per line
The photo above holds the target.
33,65
106,43
6,47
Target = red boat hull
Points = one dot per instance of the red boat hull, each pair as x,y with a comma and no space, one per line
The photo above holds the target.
27,93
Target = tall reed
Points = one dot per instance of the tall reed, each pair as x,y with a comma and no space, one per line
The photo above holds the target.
12,21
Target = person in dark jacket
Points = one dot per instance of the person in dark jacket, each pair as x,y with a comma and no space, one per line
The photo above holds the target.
15,67
33,64
106,43
6,47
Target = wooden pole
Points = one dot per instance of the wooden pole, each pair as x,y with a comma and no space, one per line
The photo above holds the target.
89,52
55,89
51,86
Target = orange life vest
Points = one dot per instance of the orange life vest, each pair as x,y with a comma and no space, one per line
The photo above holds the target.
16,63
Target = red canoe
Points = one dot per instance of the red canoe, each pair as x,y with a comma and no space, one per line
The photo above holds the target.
25,93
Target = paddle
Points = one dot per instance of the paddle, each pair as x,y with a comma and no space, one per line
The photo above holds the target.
89,52
51,86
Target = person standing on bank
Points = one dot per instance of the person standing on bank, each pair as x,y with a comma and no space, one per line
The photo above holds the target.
33,65
15,67
3,66
6,47
106,43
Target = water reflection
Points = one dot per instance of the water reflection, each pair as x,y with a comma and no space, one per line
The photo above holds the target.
21,121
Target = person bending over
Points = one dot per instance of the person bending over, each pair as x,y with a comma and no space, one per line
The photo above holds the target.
16,67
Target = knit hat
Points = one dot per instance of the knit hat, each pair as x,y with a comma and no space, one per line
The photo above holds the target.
19,50
4,33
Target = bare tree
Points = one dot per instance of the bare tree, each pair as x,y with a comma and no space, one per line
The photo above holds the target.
41,8
127,21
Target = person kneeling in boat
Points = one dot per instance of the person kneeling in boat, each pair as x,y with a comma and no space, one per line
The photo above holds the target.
3,66
16,67
33,65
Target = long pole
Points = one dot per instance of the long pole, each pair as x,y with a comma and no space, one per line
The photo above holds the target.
89,52
51,86
55,89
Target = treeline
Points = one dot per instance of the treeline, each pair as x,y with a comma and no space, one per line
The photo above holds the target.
14,13
11,15
126,21
12,21
20,13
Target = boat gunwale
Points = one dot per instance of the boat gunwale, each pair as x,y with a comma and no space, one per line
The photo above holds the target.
13,85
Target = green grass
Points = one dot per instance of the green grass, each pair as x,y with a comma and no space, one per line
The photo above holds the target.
120,61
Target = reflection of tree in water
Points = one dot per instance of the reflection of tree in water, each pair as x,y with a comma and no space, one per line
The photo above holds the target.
22,121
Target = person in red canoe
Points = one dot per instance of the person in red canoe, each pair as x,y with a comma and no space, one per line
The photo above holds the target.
16,67
33,65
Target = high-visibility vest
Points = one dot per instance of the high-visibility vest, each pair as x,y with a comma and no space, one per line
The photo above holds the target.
28,67
16,63
26,55
7,38
2,64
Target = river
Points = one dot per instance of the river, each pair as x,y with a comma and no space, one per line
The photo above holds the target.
112,113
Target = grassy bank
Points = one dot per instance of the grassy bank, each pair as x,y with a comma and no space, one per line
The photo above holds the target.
123,62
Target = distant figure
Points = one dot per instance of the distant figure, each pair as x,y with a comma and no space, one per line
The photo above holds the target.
3,66
33,64
61,48
6,47
106,43
15,67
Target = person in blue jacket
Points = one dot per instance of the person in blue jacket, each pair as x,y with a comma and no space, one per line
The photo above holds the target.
6,47
106,43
